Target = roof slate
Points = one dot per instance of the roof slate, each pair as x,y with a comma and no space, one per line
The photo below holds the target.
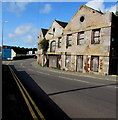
63,24
44,31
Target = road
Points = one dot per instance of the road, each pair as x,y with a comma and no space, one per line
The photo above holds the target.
13,105
76,95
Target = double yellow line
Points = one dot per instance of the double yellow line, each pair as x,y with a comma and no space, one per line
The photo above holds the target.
27,98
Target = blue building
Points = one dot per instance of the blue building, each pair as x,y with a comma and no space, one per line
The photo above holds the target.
8,53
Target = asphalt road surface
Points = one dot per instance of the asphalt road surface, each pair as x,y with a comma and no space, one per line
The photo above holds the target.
78,96
13,105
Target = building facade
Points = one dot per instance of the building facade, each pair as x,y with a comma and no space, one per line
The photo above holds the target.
88,43
40,57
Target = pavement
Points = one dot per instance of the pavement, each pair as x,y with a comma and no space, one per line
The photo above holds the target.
89,75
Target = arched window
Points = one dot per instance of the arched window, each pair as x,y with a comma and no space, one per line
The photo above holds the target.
53,46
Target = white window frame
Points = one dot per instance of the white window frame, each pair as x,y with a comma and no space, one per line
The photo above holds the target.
80,38
69,40
94,36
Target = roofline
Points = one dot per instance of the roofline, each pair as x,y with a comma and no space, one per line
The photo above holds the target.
91,9
60,21
57,23
43,29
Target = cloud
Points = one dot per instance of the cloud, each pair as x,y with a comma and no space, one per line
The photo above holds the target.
26,33
47,8
28,39
99,5
96,4
23,29
17,7
112,8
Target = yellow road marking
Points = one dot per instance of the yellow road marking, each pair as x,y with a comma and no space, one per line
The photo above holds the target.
26,100
31,100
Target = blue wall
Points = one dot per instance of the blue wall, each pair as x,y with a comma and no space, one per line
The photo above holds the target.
6,53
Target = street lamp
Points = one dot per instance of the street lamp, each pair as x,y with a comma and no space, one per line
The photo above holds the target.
3,33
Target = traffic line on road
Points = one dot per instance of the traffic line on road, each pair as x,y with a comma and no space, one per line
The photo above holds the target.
44,73
30,69
24,93
87,76
113,87
73,79
25,98
22,65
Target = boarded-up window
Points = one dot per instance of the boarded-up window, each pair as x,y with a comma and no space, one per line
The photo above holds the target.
59,42
95,36
79,63
95,63
69,40
80,38
53,61
68,61
53,46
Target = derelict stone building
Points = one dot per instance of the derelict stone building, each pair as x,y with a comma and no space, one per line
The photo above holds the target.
88,43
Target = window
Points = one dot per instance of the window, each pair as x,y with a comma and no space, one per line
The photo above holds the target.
53,30
52,46
59,42
95,36
69,40
80,38
82,19
94,63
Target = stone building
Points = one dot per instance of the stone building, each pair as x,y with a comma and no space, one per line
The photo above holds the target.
88,43
54,35
41,36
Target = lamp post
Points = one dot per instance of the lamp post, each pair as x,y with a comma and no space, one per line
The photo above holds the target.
3,30
3,34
